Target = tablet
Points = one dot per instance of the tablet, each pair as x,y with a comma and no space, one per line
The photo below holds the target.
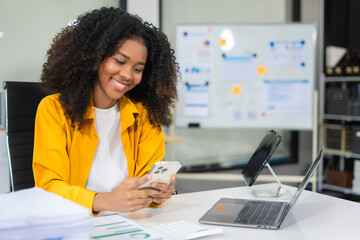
261,156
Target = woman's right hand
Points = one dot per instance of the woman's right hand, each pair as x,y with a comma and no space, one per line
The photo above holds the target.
126,197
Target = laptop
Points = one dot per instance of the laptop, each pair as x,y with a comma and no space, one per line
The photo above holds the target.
256,213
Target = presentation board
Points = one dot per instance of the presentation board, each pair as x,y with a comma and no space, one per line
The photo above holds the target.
246,76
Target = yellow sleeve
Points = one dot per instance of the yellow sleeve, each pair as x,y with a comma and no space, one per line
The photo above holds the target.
51,163
151,147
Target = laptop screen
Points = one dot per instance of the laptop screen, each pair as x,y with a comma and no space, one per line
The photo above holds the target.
307,177
260,157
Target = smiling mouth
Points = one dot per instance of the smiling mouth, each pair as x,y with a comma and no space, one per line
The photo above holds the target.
118,85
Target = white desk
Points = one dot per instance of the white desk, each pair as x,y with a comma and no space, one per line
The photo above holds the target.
314,216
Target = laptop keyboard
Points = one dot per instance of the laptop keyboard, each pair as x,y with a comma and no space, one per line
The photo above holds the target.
259,213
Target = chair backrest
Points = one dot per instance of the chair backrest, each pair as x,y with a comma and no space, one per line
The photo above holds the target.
21,102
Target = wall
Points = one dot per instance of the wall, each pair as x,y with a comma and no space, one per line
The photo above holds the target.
226,11
311,12
148,10
211,145
28,28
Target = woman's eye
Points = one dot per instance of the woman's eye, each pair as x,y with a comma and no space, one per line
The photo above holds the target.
138,70
119,61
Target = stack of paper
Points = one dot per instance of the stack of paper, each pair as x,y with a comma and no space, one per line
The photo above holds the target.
37,214
356,180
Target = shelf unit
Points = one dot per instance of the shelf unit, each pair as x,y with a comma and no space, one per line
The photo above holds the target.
339,27
341,120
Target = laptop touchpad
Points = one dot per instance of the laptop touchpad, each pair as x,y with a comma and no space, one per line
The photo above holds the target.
225,210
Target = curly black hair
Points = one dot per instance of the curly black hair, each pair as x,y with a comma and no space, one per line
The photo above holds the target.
77,51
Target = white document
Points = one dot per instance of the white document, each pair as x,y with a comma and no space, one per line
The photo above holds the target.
286,97
37,214
115,226
196,102
195,51
287,53
237,68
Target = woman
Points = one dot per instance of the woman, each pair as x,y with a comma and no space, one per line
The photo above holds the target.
95,140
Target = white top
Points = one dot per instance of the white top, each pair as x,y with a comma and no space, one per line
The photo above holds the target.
109,167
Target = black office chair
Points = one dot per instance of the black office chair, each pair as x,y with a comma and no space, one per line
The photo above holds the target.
21,102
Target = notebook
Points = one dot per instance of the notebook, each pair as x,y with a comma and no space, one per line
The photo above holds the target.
256,213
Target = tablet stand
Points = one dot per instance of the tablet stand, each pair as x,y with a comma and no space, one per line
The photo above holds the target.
281,193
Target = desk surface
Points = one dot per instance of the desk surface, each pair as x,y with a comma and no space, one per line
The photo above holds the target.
314,216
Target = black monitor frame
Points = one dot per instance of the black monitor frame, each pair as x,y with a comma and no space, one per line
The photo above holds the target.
261,156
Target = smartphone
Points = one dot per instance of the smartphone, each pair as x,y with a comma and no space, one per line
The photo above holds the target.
161,172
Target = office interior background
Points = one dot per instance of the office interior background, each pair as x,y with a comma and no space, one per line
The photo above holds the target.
27,29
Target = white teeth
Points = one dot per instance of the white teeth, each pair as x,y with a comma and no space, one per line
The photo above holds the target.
119,84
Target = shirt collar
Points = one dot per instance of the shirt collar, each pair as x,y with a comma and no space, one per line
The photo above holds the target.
128,111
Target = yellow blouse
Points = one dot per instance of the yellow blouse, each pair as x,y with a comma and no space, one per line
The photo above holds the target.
63,155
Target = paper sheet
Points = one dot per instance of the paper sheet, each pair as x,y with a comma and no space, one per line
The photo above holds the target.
117,227
287,96
196,102
287,53
37,214
237,68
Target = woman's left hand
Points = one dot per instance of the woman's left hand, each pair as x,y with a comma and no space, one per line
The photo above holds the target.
166,190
